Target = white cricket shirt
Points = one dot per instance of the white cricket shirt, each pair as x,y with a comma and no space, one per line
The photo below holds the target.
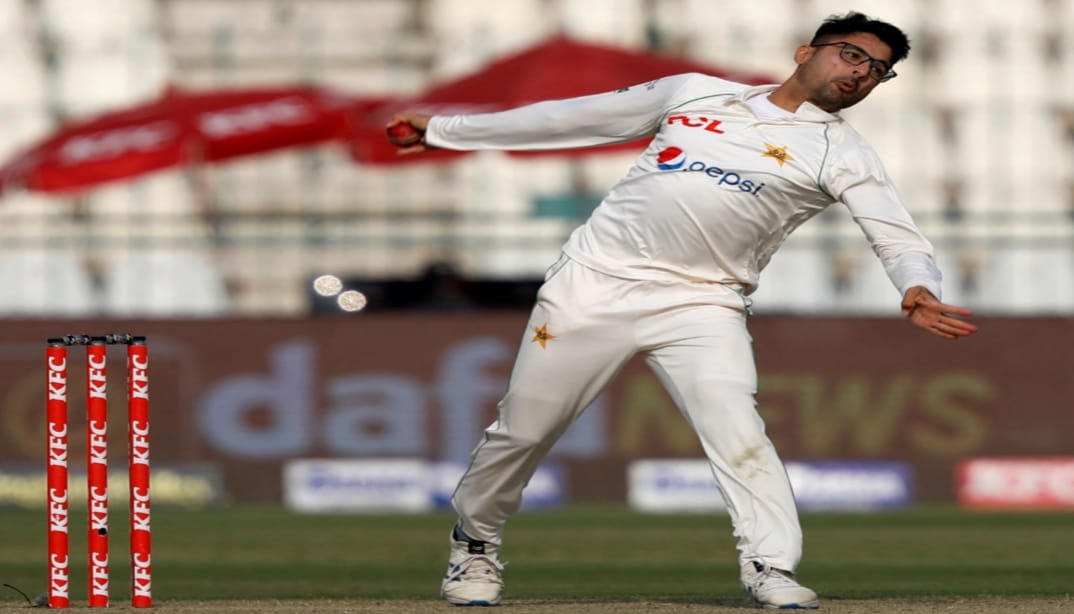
718,189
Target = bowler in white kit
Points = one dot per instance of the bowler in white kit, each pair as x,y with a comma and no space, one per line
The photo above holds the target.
664,268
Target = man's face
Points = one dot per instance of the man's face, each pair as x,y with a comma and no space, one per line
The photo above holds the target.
834,83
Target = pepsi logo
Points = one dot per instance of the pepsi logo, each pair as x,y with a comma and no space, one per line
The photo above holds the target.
670,159
674,159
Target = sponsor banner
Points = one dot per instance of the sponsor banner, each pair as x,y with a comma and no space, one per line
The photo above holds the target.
1016,483
398,485
546,489
846,485
195,486
356,485
673,486
426,385
689,486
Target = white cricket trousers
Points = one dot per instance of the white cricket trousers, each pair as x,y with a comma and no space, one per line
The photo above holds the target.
584,327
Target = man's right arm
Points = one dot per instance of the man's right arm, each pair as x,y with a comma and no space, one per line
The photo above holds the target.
587,121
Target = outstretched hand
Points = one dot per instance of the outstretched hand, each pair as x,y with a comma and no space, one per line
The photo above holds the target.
928,313
419,121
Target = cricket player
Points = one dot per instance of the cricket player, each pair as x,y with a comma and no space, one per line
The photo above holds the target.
664,267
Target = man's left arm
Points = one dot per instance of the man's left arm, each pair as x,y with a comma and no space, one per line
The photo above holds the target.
906,255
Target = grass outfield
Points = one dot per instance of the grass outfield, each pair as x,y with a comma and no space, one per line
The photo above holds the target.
264,555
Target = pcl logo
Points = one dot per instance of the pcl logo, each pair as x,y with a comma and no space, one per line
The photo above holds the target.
670,159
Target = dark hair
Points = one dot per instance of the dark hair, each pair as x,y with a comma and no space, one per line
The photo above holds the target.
856,22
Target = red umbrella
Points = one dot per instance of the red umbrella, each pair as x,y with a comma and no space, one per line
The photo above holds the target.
557,68
180,128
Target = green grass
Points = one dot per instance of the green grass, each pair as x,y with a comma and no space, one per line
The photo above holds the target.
584,553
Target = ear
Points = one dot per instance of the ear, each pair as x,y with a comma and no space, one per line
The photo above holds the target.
803,53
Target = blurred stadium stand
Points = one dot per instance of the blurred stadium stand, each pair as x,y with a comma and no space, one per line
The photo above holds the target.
978,131
48,277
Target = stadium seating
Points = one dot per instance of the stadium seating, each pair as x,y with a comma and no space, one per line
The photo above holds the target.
20,64
21,126
798,279
522,250
869,290
41,278
160,208
467,34
1034,279
617,22
36,282
165,283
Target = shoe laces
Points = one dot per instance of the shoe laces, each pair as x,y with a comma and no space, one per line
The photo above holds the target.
770,577
476,568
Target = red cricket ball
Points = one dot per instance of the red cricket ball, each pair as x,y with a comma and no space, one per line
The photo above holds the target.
403,134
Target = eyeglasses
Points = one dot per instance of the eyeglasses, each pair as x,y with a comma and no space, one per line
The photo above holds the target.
856,56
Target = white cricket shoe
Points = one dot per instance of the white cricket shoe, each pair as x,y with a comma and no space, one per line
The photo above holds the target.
474,573
776,589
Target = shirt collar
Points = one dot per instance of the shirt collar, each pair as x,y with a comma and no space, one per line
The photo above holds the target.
807,111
